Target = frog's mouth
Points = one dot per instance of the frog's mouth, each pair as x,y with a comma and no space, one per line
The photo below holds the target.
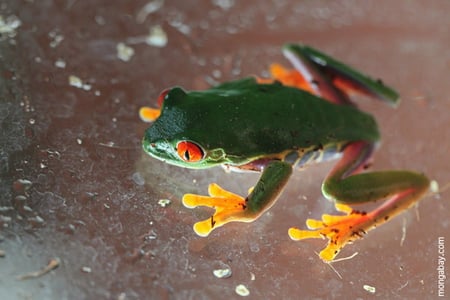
161,150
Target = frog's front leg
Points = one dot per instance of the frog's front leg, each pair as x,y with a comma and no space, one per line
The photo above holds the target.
400,189
234,208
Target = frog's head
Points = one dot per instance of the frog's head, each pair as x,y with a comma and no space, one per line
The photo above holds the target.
183,153
179,137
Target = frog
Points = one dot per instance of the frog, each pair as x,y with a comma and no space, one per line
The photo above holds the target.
293,119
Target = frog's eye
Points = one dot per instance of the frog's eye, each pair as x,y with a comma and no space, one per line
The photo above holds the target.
162,97
189,151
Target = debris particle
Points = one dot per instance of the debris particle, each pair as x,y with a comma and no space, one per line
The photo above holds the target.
22,185
9,25
6,208
157,37
163,202
434,186
369,288
59,63
86,269
56,38
36,219
403,286
27,208
149,8
402,240
78,83
124,52
252,276
222,273
5,219
79,141
53,264
242,290
224,4
122,296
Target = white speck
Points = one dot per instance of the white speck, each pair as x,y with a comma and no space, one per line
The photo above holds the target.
224,4
97,93
242,290
369,288
148,8
87,87
124,52
59,63
32,121
37,219
86,269
252,276
78,83
183,28
56,38
122,296
157,37
106,205
217,74
5,219
38,59
79,141
75,81
9,25
114,119
25,183
434,186
163,202
43,166
222,273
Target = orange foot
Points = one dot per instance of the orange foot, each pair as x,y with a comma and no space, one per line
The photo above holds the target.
340,230
148,114
229,207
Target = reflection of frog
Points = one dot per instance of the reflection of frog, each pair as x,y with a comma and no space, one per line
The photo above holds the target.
270,126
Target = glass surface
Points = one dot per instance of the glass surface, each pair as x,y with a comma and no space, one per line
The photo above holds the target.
76,186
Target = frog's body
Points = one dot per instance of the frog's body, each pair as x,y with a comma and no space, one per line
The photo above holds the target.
271,126
292,123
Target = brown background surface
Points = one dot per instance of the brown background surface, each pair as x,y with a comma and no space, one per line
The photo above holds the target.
93,202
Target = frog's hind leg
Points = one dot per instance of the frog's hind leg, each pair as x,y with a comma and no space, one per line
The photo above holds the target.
333,80
399,189
318,82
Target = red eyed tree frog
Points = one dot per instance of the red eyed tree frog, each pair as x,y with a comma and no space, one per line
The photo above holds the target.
273,126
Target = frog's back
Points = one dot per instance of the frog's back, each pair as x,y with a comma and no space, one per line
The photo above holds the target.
260,119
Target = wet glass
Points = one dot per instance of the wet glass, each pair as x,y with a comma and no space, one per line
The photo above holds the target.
78,191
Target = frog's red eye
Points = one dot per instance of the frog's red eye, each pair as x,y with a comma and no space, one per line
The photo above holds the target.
189,151
162,97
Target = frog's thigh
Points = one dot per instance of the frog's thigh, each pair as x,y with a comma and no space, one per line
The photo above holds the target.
401,189
344,186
